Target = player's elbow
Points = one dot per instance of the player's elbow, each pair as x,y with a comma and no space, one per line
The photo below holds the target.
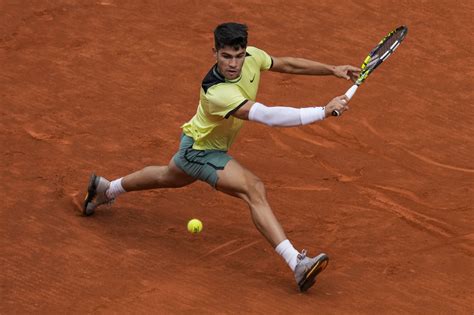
244,111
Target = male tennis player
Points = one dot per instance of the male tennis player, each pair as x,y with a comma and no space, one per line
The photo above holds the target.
228,98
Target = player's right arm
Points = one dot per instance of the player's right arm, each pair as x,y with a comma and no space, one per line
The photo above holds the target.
282,116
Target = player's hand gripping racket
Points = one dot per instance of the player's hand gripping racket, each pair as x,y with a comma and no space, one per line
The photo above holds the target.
378,55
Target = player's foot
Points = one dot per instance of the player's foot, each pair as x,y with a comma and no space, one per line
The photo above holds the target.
308,268
96,194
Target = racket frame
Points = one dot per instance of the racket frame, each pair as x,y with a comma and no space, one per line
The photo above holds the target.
367,70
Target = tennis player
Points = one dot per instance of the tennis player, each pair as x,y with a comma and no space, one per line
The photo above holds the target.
228,98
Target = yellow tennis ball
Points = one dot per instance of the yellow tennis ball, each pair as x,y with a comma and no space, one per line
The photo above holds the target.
194,226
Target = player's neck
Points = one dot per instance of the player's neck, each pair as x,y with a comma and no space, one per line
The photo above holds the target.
217,72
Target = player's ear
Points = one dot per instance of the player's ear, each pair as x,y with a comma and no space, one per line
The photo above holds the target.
214,52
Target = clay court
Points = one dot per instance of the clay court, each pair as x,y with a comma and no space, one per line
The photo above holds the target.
386,190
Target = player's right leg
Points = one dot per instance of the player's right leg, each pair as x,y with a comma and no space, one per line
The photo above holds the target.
152,177
101,191
178,173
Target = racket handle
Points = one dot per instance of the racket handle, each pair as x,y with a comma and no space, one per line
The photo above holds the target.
349,94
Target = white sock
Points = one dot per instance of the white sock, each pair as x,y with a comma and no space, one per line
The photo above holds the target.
288,252
115,189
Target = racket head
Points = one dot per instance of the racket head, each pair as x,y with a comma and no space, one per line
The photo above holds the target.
382,51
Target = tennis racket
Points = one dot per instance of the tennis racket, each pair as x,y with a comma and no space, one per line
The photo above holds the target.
378,55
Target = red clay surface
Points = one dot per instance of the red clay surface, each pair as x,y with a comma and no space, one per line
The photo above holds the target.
386,190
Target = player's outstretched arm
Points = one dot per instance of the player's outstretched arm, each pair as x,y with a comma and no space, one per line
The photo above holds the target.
294,65
282,116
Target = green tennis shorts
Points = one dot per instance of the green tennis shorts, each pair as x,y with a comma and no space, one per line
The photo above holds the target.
200,164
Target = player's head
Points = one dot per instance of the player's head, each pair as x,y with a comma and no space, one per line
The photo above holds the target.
230,34
230,40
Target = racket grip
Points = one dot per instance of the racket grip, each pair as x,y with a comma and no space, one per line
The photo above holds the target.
349,94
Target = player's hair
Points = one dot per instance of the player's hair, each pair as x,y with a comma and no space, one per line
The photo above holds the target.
230,34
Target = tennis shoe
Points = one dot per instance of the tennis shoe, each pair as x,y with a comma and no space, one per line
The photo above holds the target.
308,268
96,194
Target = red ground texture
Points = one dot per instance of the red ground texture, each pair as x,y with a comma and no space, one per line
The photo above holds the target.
386,190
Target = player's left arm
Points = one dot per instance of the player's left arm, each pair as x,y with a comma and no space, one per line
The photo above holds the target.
293,65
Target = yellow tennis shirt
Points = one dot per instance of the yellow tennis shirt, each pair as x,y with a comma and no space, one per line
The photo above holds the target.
213,127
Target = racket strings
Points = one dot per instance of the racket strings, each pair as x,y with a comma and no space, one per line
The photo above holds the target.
390,43
381,52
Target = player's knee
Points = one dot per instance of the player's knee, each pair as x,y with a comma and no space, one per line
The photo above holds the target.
149,172
256,190
157,174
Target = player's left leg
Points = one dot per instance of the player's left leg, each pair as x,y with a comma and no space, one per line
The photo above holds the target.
239,182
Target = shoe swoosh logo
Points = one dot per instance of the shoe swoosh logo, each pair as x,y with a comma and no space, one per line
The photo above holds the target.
251,81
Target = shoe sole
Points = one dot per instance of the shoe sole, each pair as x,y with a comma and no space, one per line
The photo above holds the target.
309,279
91,192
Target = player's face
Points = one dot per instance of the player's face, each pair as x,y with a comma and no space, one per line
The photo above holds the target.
230,61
